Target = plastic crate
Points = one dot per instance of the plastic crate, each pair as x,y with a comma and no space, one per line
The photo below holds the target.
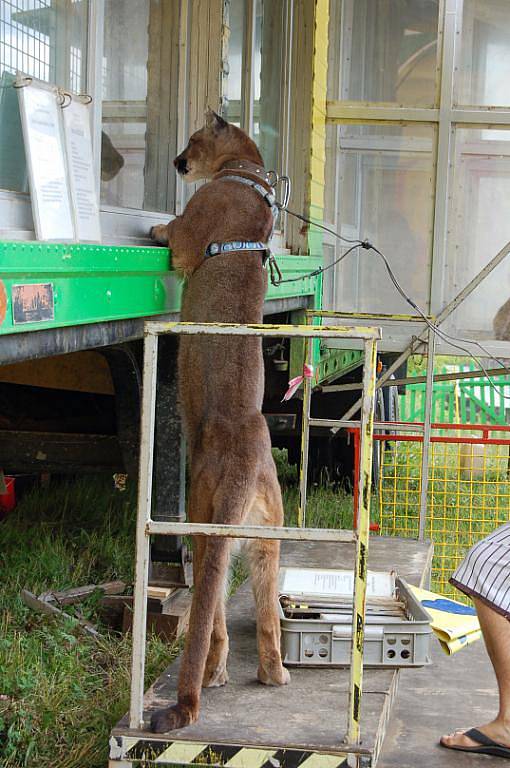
322,635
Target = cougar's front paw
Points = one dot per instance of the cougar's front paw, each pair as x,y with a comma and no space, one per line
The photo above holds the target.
170,719
159,234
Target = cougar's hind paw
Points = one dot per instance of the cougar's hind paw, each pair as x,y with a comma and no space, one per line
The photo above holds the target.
275,676
215,678
170,719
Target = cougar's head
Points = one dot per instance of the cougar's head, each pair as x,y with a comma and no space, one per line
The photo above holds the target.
212,146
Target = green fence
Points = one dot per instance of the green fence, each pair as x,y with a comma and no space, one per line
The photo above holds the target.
463,401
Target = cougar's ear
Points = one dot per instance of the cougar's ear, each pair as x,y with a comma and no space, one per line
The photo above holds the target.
213,121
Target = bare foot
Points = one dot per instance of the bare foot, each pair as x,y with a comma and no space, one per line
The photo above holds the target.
496,730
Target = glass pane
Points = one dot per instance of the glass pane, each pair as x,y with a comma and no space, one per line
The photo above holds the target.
479,227
269,40
483,64
389,51
44,39
232,105
124,102
140,104
386,188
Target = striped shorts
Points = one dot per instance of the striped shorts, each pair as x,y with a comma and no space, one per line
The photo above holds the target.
485,571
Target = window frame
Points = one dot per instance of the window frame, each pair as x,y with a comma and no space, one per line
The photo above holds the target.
248,89
119,225
122,225
447,117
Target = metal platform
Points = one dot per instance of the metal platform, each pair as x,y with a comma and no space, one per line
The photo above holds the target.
246,724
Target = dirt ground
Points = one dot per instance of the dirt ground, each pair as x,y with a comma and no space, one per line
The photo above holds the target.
455,692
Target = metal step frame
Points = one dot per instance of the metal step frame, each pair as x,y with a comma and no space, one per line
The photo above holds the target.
146,527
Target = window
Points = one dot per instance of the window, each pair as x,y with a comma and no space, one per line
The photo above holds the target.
414,173
389,51
479,225
232,97
255,78
483,63
386,190
269,42
48,41
140,104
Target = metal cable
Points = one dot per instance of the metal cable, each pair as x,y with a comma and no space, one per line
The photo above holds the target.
367,245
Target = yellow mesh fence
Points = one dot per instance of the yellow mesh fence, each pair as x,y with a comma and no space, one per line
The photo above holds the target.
468,492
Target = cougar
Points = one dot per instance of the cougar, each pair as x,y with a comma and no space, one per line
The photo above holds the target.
233,477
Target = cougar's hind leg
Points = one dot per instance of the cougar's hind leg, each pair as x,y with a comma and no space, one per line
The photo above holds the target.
196,649
216,673
210,565
264,558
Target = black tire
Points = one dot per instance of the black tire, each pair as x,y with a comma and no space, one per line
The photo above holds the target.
391,402
379,413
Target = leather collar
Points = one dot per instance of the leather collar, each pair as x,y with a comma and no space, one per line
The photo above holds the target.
247,170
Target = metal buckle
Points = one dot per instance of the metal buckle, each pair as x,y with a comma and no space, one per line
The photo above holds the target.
286,184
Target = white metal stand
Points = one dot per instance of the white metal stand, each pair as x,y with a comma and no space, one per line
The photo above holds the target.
146,526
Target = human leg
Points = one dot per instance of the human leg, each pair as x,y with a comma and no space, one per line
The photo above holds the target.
496,633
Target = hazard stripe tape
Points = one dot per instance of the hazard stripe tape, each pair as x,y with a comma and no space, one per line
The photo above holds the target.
146,749
180,752
184,753
324,761
251,758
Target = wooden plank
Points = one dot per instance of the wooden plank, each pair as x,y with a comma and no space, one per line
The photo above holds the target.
40,606
170,623
159,593
77,594
58,452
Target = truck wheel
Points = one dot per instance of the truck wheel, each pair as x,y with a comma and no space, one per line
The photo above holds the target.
379,413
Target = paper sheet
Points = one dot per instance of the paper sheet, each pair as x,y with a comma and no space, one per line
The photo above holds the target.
327,583
49,188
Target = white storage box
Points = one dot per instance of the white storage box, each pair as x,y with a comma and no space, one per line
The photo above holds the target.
316,620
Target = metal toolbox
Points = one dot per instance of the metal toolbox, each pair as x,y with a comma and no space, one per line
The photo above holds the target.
316,620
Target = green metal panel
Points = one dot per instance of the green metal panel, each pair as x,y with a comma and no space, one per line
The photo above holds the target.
468,401
93,283
96,283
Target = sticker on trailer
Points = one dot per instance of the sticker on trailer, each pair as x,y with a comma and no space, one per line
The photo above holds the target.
32,303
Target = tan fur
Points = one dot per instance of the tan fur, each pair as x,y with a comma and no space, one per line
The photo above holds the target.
221,382
472,461
501,322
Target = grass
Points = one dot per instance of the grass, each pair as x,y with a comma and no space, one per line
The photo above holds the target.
60,692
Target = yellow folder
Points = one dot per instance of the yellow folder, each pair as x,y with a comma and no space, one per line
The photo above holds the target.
455,624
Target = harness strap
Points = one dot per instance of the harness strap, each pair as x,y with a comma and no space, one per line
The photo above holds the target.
237,245
268,195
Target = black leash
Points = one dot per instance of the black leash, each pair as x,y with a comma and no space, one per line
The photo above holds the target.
274,270
367,245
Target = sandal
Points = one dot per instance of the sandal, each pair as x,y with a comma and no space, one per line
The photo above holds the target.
487,745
